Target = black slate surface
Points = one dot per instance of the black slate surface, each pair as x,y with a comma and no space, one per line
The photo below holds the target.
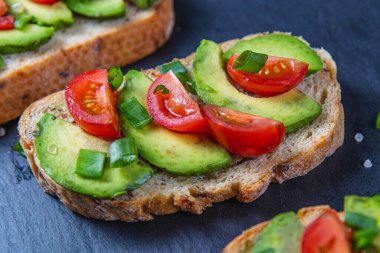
32,221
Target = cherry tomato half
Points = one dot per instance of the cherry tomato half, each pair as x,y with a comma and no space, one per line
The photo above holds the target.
3,8
175,110
243,134
326,234
92,104
277,76
50,2
6,22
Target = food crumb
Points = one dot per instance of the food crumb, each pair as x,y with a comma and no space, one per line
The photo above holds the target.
359,137
2,132
368,164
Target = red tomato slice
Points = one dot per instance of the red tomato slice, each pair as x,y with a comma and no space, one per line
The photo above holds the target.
3,8
50,2
277,76
6,22
92,104
176,110
243,134
326,234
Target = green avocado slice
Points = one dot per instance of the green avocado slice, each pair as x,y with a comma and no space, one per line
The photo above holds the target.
178,153
293,108
57,147
28,38
57,14
366,206
281,45
283,234
98,8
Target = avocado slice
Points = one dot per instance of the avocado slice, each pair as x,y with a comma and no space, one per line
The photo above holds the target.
283,234
28,38
57,147
366,206
179,153
293,108
98,8
57,14
281,45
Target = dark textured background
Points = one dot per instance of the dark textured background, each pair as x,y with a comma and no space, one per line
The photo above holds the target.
32,221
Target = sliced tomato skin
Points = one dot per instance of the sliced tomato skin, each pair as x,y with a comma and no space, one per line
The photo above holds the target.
49,2
267,82
7,22
104,123
176,110
3,8
326,234
243,134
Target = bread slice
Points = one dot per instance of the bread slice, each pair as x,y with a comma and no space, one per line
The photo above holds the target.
165,193
88,44
244,242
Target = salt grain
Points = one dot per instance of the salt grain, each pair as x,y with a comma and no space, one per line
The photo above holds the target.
359,137
368,164
2,132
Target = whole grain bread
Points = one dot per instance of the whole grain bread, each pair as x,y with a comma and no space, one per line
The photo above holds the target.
247,180
88,44
244,242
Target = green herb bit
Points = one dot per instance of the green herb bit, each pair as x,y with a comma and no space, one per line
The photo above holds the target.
135,113
115,77
123,152
90,163
182,74
250,62
378,121
18,148
161,88
143,4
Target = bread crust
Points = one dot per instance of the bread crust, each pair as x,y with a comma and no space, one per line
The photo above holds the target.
165,193
124,44
245,241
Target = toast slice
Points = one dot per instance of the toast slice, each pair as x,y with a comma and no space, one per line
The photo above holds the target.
245,241
247,180
88,44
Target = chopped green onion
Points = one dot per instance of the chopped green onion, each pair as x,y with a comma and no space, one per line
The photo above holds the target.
359,221
378,121
115,77
20,14
376,197
182,74
90,163
175,66
135,113
363,238
123,152
161,88
250,62
18,148
143,4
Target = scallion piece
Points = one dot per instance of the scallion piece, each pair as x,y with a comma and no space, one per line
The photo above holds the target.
90,163
378,121
182,74
143,4
115,77
363,238
18,148
359,221
123,152
161,88
250,62
135,113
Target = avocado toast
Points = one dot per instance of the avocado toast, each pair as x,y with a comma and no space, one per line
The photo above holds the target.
316,229
90,42
245,179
